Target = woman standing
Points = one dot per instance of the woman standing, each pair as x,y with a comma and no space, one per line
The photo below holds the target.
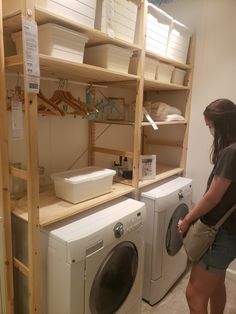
207,279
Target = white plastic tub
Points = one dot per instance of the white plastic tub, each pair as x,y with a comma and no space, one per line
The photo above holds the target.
108,56
157,30
178,76
79,185
164,72
57,41
80,11
178,42
150,67
111,18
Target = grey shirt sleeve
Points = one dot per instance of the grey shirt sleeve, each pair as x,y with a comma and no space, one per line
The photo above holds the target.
226,165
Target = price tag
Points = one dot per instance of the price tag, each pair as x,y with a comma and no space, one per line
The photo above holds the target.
31,55
17,120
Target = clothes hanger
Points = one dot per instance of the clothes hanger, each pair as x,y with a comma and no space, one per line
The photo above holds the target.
43,103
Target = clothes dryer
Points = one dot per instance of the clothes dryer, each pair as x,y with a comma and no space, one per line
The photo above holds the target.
165,258
93,263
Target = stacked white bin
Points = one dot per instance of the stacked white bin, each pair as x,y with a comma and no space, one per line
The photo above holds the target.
58,42
108,56
150,67
117,18
178,42
80,11
157,30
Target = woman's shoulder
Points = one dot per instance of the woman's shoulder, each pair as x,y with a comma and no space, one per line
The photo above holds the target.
230,148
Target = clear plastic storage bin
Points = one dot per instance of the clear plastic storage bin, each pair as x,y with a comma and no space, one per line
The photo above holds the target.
157,30
108,56
178,42
178,76
150,67
111,18
83,184
80,11
164,72
57,41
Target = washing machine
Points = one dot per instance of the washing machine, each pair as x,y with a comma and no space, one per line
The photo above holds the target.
165,259
95,264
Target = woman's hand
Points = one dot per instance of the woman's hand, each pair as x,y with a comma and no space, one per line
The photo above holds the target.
183,226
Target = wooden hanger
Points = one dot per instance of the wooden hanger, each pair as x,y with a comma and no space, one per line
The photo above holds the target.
66,97
44,103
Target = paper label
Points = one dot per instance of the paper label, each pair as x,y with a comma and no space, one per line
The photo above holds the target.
17,120
31,55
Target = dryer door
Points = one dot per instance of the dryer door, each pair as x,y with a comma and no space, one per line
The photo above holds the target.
114,279
173,238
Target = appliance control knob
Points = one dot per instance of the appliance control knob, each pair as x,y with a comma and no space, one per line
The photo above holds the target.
118,230
181,195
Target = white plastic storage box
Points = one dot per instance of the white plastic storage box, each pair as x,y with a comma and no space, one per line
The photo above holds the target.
108,56
178,42
117,18
157,30
57,41
178,76
164,72
83,184
80,11
150,67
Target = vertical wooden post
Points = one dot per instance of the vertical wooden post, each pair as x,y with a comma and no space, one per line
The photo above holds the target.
91,142
189,79
31,134
5,208
139,98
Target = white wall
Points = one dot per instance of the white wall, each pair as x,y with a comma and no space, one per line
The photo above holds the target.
214,23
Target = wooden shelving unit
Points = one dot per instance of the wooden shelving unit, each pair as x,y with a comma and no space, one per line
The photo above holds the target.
43,209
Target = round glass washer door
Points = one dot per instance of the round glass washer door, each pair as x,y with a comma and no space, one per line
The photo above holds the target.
173,238
114,279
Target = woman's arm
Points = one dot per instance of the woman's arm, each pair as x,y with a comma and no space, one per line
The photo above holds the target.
211,198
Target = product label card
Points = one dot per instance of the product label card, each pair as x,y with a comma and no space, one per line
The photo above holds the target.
17,120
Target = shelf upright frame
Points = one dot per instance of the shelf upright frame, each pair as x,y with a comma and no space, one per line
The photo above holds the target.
5,205
139,98
31,134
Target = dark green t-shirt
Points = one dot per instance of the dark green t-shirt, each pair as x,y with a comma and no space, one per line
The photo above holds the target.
225,167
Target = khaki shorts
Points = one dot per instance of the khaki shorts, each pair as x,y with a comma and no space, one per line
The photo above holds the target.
221,254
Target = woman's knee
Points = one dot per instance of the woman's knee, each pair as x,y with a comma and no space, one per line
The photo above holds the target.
197,302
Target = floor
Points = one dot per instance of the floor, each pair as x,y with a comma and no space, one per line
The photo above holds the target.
175,303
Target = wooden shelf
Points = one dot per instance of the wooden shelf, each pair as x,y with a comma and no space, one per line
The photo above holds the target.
156,85
12,23
131,123
163,172
53,209
177,64
58,68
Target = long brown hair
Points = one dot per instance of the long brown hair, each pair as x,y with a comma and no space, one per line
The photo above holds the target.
222,114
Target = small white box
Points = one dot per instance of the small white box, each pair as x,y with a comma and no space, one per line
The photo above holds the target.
150,67
108,56
178,76
111,18
178,42
80,11
83,184
57,41
157,30
164,72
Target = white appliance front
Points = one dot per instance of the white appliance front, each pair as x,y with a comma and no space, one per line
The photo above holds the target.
95,263
165,258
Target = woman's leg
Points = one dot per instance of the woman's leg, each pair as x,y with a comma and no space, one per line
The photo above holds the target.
202,285
218,297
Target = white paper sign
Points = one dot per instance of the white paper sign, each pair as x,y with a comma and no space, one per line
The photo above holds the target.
31,55
17,120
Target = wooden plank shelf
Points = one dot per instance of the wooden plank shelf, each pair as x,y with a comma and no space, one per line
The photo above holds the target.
53,209
12,23
177,64
58,68
163,172
131,123
156,85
